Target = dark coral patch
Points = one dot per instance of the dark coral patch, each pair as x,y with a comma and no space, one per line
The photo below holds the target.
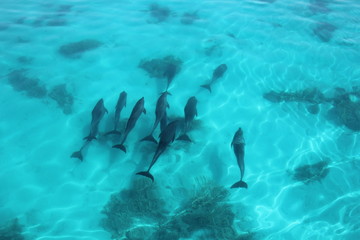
311,172
76,49
156,68
159,13
11,231
324,31
31,86
63,98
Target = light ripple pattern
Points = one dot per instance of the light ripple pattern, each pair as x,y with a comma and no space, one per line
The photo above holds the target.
267,45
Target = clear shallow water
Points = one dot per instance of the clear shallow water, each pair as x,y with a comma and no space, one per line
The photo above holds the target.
266,46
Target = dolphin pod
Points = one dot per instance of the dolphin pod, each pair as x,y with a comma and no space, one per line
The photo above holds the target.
168,131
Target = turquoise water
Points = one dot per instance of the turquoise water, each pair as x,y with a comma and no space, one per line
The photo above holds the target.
266,45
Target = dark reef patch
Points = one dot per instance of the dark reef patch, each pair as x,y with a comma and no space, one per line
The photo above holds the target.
31,86
319,6
324,31
159,13
4,26
156,68
65,8
128,207
25,60
11,231
56,22
207,210
345,105
310,95
189,18
311,172
345,111
63,98
139,213
76,49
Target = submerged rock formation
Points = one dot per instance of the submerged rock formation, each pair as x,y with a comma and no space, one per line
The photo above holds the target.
31,86
345,105
63,98
189,18
324,31
139,214
159,13
76,49
139,204
11,231
311,172
157,67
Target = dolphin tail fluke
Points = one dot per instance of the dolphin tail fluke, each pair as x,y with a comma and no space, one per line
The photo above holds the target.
184,137
146,174
89,138
121,147
207,86
149,138
240,184
78,155
113,132
167,92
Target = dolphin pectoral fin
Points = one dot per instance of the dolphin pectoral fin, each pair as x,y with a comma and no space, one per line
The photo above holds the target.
149,138
78,155
144,111
113,132
240,184
121,147
167,105
106,110
146,174
184,137
207,86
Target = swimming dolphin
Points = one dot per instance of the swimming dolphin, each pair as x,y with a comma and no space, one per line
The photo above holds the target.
96,115
160,112
121,103
217,73
190,112
170,73
163,122
166,137
134,116
238,144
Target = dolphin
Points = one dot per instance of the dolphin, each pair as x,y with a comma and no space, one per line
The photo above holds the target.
170,73
217,73
190,112
167,136
160,112
134,116
163,122
238,144
121,103
97,114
